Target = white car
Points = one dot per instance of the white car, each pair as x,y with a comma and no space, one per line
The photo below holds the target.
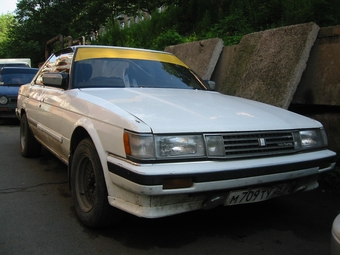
142,133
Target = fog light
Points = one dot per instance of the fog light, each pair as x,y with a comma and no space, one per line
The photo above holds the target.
178,183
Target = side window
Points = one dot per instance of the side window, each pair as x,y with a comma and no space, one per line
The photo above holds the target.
55,64
44,69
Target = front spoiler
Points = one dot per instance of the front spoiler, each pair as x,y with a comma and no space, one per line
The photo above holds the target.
215,175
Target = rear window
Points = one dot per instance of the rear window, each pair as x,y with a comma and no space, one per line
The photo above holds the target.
17,77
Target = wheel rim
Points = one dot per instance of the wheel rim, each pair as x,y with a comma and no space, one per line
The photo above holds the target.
86,181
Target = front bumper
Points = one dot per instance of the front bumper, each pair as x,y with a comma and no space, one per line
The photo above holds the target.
7,111
139,189
214,175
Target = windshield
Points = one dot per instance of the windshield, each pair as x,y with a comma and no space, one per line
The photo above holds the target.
119,73
17,77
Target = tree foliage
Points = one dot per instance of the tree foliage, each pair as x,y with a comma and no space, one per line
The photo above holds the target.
5,22
189,20
37,21
132,8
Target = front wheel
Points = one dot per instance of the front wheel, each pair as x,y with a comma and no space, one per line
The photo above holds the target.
89,189
29,146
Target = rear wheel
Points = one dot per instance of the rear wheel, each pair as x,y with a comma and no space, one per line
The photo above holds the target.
89,189
29,146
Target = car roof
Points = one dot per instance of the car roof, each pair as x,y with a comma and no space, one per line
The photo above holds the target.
73,48
118,47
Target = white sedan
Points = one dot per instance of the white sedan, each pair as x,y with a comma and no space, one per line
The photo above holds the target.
142,133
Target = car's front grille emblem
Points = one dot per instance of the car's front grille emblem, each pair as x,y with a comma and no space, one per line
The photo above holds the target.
262,142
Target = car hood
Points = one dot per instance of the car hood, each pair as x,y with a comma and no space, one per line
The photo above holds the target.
11,90
180,110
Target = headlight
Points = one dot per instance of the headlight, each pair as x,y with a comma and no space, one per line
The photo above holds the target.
3,100
215,145
313,138
149,147
179,146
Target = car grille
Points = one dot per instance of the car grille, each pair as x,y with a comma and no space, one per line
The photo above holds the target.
258,144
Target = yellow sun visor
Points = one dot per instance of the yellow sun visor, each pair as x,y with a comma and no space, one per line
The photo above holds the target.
128,53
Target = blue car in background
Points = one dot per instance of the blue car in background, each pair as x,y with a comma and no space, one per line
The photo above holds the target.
11,78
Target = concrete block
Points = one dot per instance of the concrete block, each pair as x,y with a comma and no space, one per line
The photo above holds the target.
223,64
200,56
268,65
320,83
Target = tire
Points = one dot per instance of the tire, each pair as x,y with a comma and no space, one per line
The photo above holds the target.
29,146
89,189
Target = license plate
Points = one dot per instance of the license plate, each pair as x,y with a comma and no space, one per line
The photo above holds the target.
255,195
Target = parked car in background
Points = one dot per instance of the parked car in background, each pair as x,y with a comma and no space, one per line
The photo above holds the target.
142,133
15,62
11,78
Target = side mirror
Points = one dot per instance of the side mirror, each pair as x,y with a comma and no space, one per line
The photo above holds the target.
211,84
58,80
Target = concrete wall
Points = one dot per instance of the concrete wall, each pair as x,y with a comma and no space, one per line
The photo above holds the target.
201,56
319,88
268,65
320,83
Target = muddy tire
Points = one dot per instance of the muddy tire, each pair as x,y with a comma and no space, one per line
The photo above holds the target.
29,146
89,189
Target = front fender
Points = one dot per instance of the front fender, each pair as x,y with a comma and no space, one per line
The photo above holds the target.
107,138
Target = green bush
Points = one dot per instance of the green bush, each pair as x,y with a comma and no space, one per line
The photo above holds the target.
170,37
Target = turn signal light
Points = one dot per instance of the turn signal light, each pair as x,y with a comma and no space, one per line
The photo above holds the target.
127,144
177,183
